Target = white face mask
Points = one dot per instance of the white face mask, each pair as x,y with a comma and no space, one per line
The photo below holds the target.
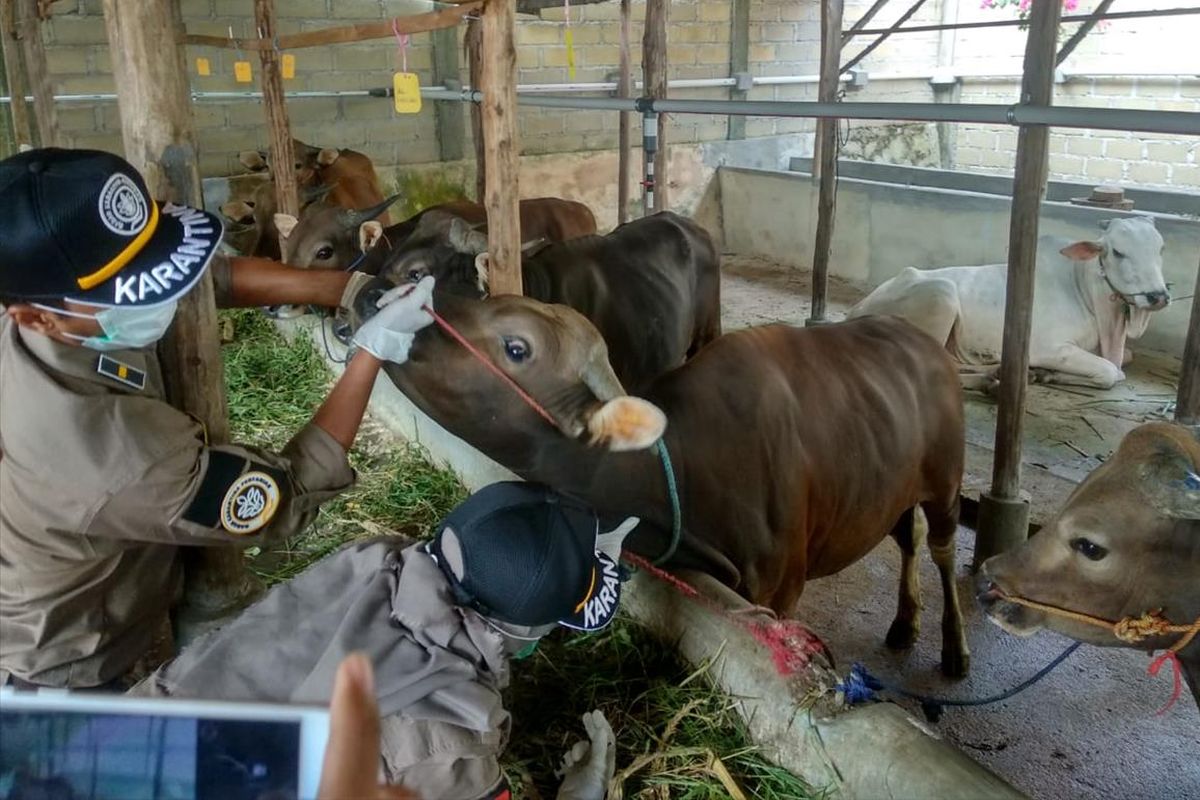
124,328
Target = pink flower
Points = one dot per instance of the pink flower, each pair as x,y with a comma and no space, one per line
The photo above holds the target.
1024,5
1070,5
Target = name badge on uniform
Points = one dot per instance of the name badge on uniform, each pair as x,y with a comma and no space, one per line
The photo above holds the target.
109,367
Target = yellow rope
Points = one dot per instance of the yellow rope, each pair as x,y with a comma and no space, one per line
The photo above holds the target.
1129,629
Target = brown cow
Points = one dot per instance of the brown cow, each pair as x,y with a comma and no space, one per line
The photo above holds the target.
326,237
795,451
1126,542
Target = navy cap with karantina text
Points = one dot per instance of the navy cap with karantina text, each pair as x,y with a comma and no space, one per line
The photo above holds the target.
80,225
524,554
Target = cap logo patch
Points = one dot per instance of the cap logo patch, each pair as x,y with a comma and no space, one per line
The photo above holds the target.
123,209
599,606
250,503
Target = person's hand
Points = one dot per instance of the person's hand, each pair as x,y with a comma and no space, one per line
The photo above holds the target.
588,766
389,334
351,768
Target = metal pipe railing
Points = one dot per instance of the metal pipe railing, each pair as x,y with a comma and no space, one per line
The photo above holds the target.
1173,122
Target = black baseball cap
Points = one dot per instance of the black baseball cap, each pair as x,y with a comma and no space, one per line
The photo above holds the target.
81,225
523,554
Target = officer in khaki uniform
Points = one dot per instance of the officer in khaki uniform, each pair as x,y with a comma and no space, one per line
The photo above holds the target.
439,621
100,479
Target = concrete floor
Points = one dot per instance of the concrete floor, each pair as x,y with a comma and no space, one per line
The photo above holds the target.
1087,730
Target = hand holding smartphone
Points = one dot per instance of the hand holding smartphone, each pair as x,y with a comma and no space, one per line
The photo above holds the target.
59,745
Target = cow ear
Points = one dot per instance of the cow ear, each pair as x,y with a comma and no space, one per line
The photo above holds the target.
238,211
1104,223
328,155
626,423
285,224
1083,251
482,263
252,160
464,239
369,234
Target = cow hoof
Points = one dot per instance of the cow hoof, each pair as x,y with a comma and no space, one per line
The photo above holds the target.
956,665
902,635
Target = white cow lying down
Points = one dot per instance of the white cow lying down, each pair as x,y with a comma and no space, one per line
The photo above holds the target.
1088,296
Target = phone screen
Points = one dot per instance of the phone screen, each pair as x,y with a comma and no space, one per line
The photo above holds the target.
58,755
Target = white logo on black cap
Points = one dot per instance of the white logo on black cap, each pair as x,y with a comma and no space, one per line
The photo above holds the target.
123,209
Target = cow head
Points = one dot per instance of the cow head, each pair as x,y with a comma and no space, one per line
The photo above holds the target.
552,352
1126,542
308,161
451,250
328,237
1130,257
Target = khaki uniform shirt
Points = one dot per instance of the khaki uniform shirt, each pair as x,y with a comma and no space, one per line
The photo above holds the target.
100,481
439,668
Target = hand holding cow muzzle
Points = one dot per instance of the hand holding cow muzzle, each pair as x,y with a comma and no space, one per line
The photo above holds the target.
389,334
588,767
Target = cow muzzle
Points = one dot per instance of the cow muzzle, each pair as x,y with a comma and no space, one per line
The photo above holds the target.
1015,619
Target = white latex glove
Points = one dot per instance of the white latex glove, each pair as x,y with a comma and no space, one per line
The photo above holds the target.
588,766
389,334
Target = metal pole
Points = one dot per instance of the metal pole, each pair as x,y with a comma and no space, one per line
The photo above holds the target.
1012,23
1003,514
649,150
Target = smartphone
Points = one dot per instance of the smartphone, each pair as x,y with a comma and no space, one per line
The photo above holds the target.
59,745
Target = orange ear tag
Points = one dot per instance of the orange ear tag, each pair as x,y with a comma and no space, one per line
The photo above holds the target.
406,90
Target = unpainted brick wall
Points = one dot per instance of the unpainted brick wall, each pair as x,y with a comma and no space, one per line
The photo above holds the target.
783,33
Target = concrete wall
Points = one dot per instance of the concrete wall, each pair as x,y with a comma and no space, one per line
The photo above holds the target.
1106,70
884,227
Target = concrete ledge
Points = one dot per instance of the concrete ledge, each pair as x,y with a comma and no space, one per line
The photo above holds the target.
868,752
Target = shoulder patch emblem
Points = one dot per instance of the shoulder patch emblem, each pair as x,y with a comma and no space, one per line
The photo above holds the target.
109,367
250,503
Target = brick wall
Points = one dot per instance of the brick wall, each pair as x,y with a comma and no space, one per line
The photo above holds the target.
784,34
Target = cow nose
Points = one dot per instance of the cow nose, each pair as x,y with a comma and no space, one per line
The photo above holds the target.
1158,300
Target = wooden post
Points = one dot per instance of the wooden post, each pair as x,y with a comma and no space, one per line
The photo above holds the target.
825,155
29,31
156,125
449,115
279,129
474,45
739,62
14,74
1187,401
499,122
654,81
947,88
624,119
1003,515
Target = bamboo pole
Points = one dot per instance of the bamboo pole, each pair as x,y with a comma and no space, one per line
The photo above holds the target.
29,30
624,120
1003,515
1081,34
474,45
825,160
156,125
1187,401
866,51
279,130
363,32
499,122
739,61
14,72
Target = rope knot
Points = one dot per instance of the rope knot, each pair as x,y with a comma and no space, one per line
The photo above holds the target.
1133,629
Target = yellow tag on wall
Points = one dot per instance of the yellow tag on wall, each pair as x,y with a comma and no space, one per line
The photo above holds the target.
203,67
287,65
407,91
569,37
241,72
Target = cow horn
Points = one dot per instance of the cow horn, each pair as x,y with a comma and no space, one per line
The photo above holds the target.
315,194
356,217
599,377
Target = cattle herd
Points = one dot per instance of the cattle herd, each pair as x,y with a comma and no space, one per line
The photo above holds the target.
793,451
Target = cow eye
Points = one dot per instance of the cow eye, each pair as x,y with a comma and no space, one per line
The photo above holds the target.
1118,253
415,274
325,253
1088,549
516,349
